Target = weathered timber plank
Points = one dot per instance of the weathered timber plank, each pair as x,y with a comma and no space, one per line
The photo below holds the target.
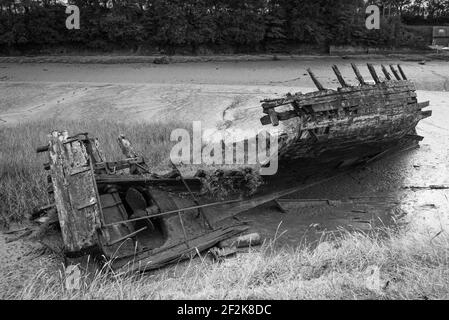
364,108
273,117
424,104
375,93
126,147
158,258
74,192
391,86
93,148
358,74
117,165
396,74
339,76
385,71
315,80
113,211
362,101
373,73
426,114
331,95
402,72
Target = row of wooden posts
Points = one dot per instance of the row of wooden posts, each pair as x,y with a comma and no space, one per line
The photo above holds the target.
398,75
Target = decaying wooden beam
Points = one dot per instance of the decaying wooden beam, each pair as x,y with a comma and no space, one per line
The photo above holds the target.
313,98
415,137
160,257
402,72
358,74
386,73
93,148
128,236
113,166
423,104
103,179
273,117
373,73
425,114
315,80
396,74
339,76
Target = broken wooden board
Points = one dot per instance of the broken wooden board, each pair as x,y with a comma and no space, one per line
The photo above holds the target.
75,193
171,254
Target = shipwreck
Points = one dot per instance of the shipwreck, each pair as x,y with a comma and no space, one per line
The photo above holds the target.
140,220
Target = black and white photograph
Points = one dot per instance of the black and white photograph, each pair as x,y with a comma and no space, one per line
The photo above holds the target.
236,151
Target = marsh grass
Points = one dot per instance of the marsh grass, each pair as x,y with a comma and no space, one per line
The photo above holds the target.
22,177
409,267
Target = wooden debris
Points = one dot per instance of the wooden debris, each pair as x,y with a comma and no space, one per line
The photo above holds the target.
74,192
23,235
396,74
279,206
402,72
385,71
15,230
247,240
373,73
430,187
315,80
339,76
126,147
358,74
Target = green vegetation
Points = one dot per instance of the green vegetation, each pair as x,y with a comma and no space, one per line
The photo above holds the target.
205,26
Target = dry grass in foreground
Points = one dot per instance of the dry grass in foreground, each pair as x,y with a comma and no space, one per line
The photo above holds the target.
409,267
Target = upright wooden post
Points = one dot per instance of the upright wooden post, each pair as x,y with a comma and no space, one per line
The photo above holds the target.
339,76
395,72
373,73
402,72
357,74
315,80
126,146
75,192
385,71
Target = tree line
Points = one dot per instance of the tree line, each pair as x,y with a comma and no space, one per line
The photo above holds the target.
215,25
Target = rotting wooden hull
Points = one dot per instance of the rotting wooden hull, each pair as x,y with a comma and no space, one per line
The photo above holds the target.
337,128
326,133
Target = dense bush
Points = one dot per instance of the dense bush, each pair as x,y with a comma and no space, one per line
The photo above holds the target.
243,25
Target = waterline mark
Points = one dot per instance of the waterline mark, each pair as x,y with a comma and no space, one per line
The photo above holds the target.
225,147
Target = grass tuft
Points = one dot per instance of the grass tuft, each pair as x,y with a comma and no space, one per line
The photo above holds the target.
407,267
